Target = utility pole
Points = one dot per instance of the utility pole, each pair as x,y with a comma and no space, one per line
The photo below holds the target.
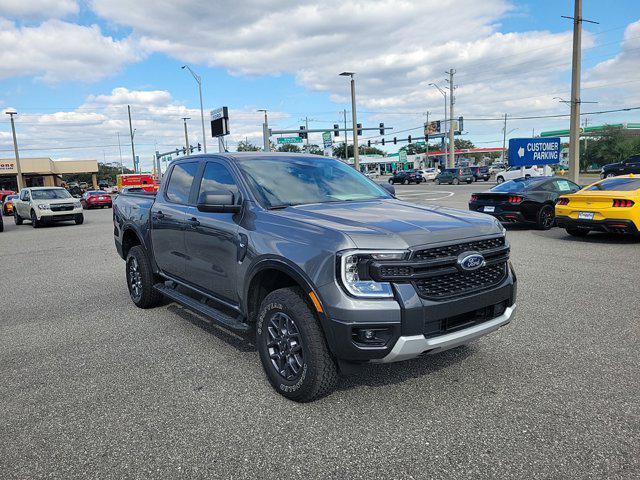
426,139
504,138
306,124
186,136
120,152
576,61
452,148
19,179
346,138
265,131
133,148
354,119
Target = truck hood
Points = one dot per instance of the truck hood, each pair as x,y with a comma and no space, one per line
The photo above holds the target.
394,223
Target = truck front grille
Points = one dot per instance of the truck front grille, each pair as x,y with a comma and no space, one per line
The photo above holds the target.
457,249
65,207
460,283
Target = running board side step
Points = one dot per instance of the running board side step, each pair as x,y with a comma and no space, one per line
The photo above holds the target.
208,312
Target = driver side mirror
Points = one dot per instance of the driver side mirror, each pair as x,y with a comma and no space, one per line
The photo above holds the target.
389,188
218,201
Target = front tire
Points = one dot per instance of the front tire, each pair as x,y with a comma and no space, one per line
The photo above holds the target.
391,181
35,223
292,347
79,219
141,279
437,180
455,181
17,218
546,217
405,182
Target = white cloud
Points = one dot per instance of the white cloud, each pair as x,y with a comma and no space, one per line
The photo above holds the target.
38,8
89,131
56,50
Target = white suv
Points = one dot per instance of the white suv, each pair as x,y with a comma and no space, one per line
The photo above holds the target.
512,173
42,205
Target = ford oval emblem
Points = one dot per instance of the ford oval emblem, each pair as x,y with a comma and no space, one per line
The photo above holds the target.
470,261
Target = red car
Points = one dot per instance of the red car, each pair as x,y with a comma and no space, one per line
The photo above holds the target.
7,204
5,193
96,199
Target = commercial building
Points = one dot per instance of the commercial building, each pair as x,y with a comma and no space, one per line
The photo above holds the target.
43,171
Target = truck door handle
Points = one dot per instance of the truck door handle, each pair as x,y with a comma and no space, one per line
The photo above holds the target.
193,222
159,215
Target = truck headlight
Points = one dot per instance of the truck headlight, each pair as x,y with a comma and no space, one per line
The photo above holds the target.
44,206
354,272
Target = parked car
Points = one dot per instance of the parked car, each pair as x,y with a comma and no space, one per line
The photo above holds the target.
328,268
530,200
480,173
5,193
609,205
43,205
7,204
627,166
96,199
1,224
429,173
406,177
512,173
454,176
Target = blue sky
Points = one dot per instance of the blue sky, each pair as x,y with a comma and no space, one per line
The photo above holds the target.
70,72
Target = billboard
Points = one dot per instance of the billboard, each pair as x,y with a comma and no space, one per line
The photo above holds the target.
220,122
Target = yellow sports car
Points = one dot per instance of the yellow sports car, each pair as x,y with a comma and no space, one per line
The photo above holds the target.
610,205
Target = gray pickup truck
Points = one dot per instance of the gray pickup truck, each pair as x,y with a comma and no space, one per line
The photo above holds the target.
328,267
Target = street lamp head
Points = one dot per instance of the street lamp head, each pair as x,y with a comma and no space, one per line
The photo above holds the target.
183,67
11,111
347,74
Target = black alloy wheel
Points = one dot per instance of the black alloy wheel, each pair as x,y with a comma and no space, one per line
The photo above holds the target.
284,345
546,217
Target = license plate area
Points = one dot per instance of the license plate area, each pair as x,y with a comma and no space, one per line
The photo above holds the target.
489,209
585,215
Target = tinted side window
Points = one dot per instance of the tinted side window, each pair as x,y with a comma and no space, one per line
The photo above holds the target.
180,182
217,177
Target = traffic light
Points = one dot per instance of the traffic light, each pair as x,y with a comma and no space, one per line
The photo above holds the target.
383,141
336,130
368,143
302,134
359,125
382,129
409,139
199,147
395,141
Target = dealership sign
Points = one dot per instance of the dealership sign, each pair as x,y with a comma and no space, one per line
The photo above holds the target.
6,166
525,152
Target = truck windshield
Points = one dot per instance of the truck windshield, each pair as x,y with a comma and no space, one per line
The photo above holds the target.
50,194
279,182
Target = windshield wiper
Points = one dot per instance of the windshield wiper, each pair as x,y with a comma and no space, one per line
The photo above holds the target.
280,207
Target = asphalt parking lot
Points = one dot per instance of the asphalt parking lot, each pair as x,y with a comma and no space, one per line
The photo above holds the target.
92,387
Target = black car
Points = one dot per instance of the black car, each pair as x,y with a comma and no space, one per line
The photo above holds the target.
406,177
480,173
524,200
625,167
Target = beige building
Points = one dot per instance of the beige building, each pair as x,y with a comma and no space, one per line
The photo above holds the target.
43,171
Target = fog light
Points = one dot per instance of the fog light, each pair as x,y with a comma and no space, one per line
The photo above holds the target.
372,336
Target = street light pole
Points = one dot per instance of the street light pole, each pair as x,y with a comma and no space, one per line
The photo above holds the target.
444,94
504,137
19,179
354,119
198,79
131,133
452,146
265,131
186,136
120,152
346,137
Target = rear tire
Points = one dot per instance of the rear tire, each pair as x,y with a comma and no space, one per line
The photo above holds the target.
438,182
141,279
292,347
391,181
577,232
455,181
405,182
546,217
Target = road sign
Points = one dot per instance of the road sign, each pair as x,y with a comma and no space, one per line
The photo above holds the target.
285,140
327,140
220,122
525,152
402,156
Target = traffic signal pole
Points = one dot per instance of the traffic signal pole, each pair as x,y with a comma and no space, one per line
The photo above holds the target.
574,127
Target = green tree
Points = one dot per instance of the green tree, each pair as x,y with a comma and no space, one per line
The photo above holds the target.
461,143
247,146
610,147
289,147
107,172
315,150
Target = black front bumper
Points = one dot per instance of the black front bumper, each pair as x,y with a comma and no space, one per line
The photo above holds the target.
420,316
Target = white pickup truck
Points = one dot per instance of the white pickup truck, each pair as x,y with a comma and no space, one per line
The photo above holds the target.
44,205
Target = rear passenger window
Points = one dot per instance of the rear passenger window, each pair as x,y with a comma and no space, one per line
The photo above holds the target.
180,182
217,177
